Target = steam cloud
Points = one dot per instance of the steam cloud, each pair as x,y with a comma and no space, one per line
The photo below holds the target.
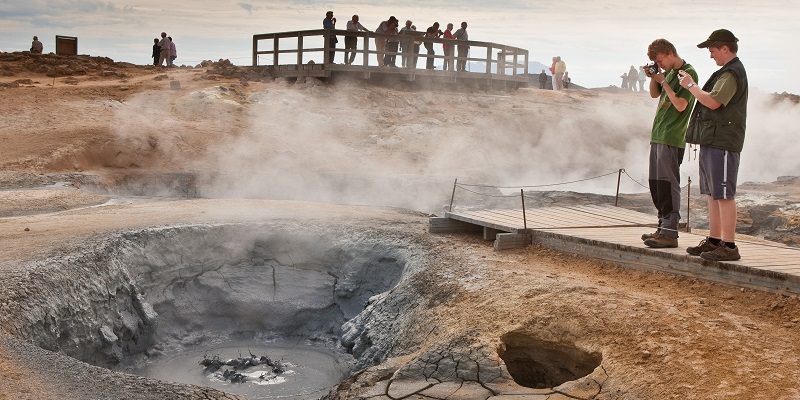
396,147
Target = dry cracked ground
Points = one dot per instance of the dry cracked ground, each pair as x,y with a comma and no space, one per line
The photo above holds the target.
143,210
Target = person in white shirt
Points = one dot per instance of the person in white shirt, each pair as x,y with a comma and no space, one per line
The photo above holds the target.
351,42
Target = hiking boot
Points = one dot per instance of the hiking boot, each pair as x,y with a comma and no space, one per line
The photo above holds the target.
659,241
704,246
722,253
650,235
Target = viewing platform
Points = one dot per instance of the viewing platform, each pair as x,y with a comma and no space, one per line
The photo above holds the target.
307,54
614,234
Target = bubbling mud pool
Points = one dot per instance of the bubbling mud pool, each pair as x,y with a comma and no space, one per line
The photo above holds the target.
307,371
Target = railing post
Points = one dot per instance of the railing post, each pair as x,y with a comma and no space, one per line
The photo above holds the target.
526,62
524,217
326,37
300,50
255,51
453,195
366,49
619,176
515,63
275,45
688,204
489,59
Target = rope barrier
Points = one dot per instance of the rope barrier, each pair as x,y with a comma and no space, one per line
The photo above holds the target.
486,194
637,182
536,186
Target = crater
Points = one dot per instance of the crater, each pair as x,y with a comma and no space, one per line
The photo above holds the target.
540,364
157,302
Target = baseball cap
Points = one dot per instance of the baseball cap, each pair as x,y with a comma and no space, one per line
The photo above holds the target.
719,35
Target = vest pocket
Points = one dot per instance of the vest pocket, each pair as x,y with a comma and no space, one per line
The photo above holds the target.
701,132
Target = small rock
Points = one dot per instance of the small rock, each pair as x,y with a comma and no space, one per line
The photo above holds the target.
27,229
175,85
645,354
421,107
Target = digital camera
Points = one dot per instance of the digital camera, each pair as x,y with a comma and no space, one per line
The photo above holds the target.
651,68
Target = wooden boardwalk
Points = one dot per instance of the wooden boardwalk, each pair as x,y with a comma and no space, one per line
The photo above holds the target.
614,234
308,53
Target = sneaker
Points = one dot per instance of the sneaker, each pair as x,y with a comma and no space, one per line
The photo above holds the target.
704,246
659,241
650,235
722,253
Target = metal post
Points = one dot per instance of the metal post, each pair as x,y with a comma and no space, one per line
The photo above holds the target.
453,195
688,204
619,176
524,218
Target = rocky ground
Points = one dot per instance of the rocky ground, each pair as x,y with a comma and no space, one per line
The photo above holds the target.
91,147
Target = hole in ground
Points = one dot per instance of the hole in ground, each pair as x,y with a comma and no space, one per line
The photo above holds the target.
539,364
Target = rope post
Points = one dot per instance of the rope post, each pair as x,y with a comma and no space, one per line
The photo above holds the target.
688,204
524,218
453,196
619,176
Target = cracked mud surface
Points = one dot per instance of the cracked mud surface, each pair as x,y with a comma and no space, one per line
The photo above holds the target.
439,334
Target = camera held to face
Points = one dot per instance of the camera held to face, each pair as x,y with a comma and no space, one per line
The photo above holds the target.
651,68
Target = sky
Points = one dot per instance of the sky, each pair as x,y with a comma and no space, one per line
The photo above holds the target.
599,40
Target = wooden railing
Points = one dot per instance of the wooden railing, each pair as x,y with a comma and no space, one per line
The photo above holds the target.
301,47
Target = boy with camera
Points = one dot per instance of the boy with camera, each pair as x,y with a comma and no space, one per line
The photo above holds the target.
667,138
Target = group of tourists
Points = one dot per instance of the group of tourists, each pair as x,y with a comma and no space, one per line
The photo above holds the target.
712,117
632,77
565,79
164,51
405,41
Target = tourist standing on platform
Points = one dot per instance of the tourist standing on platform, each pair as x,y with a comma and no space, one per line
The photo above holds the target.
156,51
392,45
432,32
329,23
407,44
351,42
380,42
718,126
667,139
463,49
448,49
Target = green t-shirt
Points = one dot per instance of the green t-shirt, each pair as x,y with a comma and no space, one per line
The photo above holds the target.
669,125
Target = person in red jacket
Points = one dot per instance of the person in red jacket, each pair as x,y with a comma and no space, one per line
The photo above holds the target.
448,49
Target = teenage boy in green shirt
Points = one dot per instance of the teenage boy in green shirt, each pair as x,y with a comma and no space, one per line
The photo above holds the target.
667,139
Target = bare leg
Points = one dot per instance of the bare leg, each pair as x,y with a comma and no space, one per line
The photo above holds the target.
714,223
727,214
